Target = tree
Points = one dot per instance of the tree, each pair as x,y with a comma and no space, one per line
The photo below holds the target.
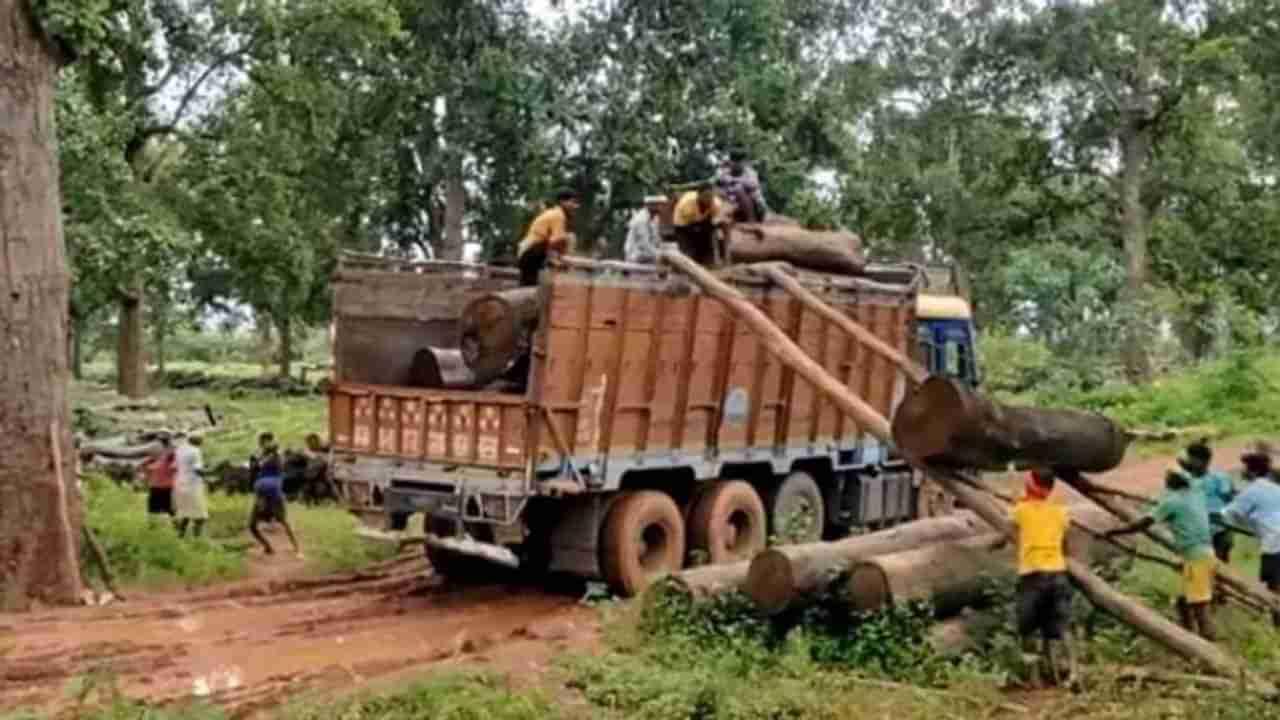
40,514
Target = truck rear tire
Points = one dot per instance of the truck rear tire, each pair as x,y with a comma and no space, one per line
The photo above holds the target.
728,523
797,512
643,539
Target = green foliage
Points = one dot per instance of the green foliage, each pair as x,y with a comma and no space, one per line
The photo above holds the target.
478,697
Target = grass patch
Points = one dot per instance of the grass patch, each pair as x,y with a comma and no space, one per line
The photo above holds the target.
449,697
147,552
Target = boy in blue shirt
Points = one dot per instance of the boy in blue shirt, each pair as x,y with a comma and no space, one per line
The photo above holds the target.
268,490
1217,488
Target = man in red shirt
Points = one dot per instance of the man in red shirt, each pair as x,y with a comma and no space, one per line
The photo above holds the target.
161,471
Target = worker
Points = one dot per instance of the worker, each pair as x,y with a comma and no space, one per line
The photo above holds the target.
1257,507
160,469
190,497
548,233
1044,590
642,232
698,218
1218,490
1182,508
268,490
740,183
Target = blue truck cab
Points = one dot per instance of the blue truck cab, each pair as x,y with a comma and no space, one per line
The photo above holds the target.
944,327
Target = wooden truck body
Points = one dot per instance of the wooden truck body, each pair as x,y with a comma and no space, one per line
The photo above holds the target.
638,385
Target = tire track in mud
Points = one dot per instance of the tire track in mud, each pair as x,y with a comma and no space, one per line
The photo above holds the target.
255,645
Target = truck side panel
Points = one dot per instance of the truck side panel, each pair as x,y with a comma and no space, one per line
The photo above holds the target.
635,368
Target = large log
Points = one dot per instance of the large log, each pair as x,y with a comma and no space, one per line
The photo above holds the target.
822,250
711,580
1140,617
943,423
781,577
495,331
440,368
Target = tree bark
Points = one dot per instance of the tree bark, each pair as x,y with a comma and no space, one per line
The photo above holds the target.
1135,151
709,581
825,251
455,208
944,423
1141,618
40,512
284,328
495,330
131,363
949,575
780,578
441,368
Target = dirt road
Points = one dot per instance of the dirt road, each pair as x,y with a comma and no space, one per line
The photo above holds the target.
251,645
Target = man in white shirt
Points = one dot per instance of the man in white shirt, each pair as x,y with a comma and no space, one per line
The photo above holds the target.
642,232
1258,508
190,496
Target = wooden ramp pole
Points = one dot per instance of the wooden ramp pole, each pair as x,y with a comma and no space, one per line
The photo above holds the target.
1143,619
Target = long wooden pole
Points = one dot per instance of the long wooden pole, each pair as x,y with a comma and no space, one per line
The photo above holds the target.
1145,620
778,275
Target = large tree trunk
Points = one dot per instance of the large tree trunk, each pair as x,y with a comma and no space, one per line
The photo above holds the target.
39,504
1135,151
780,578
944,423
440,368
495,330
711,580
1140,617
455,208
825,251
284,328
131,361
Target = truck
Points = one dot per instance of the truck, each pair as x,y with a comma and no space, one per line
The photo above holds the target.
653,430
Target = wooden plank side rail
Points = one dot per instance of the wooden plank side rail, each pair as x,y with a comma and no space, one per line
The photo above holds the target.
1142,618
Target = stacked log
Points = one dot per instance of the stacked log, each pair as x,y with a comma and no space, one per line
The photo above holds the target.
836,251
495,332
440,368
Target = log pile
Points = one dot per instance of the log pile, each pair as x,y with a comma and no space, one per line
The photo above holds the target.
495,332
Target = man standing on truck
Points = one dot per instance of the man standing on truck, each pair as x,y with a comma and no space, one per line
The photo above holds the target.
698,218
549,233
642,232
1182,508
1258,508
1044,590
740,183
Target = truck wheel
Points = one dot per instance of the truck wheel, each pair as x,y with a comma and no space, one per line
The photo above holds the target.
643,540
797,513
728,523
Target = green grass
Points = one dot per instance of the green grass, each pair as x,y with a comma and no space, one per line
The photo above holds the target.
146,552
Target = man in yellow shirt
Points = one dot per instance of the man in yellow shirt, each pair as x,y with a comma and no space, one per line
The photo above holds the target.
1044,590
696,218
549,232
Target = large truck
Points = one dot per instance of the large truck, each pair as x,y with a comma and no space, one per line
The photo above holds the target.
654,430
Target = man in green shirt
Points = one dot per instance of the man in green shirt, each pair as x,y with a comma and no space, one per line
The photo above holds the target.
1182,508
1218,491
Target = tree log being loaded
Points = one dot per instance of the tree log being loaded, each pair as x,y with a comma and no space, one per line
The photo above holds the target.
710,580
826,251
943,423
779,578
495,331
440,368
1147,621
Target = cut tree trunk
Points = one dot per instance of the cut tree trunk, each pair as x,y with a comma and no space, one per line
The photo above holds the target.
710,580
1140,617
822,250
781,578
944,423
949,575
495,331
131,364
40,510
441,368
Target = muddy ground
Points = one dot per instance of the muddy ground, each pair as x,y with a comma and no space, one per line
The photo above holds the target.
256,644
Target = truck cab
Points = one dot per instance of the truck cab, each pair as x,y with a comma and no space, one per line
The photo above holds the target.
944,330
